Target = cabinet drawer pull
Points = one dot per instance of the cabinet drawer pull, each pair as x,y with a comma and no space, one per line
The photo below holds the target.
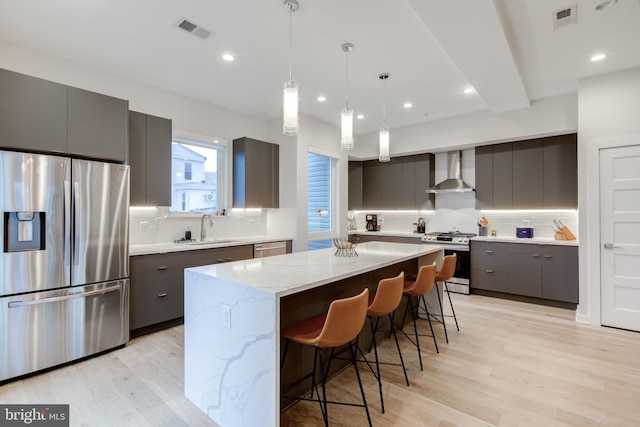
162,268
536,255
229,259
219,260
548,256
162,295
489,271
489,252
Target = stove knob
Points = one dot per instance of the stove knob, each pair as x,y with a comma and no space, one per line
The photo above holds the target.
459,239
466,240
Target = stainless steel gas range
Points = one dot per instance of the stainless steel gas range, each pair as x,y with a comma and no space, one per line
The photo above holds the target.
455,243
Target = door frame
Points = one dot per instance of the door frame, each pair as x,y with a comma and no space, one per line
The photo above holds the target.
589,308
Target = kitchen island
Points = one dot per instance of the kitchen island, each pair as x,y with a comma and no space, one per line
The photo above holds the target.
234,312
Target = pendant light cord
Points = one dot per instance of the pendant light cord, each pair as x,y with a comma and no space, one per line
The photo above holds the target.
290,42
347,78
384,102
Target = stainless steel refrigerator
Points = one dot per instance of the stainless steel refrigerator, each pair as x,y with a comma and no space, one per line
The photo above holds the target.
64,264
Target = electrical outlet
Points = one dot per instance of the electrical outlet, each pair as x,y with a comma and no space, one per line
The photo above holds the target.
226,316
252,223
144,226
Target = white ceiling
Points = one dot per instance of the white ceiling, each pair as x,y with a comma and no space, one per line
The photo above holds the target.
506,49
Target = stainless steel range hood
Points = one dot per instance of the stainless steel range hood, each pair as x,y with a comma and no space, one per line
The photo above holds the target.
454,182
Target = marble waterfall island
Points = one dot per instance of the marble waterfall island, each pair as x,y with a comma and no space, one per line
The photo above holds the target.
234,313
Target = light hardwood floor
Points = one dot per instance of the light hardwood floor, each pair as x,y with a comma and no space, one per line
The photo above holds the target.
511,364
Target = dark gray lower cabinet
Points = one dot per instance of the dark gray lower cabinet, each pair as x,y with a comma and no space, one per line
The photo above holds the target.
527,269
490,266
157,282
220,255
157,288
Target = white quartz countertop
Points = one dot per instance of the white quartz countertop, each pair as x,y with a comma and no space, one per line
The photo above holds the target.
534,240
291,273
160,248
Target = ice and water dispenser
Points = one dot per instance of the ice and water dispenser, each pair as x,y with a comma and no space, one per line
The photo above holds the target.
24,231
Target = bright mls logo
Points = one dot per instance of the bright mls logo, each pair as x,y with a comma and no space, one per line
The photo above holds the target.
34,415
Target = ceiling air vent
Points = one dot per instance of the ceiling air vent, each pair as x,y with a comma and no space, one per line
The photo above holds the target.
194,29
562,18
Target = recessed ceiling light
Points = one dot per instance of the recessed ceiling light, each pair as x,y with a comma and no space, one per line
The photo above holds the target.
469,90
360,116
227,57
407,105
598,57
605,4
321,98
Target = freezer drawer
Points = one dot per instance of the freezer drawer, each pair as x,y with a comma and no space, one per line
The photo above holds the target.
53,327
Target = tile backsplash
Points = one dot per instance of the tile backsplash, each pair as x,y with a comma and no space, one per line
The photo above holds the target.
457,211
158,225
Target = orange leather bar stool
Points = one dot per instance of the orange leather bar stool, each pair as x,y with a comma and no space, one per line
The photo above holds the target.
418,288
447,270
385,303
341,325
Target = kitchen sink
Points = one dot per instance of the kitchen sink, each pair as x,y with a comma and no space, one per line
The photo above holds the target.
212,242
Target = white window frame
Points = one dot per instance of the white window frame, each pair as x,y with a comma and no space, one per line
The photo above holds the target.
330,234
205,141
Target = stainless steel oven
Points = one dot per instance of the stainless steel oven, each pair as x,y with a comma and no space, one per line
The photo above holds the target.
455,243
460,281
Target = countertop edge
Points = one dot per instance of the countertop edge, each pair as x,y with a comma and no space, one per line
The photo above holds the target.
529,241
170,247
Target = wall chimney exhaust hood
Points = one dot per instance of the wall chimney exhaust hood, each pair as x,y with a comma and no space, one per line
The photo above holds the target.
454,182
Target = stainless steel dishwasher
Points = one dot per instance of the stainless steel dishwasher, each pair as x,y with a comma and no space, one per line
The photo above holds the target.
261,250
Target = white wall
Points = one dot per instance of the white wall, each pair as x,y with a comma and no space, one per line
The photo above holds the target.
551,116
609,107
187,114
322,138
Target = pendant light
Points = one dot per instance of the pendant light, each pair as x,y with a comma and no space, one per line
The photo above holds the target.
346,115
290,101
384,130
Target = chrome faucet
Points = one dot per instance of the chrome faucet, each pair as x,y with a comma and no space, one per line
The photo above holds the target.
203,232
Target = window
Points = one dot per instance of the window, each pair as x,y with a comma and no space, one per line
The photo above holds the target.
321,184
196,176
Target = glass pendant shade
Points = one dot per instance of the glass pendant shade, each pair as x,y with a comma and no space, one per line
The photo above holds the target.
384,145
346,120
290,108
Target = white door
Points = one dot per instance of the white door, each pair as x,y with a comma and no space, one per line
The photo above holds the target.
620,236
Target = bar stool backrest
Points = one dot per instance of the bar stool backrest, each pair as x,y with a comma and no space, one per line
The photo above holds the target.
424,282
448,268
344,321
388,296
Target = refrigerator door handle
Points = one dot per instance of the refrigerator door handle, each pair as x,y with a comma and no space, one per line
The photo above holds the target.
15,304
66,221
76,217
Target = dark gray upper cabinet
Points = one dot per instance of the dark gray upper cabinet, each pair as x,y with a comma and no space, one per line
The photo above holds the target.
256,181
150,159
494,176
372,179
355,185
484,177
424,165
502,176
97,125
43,116
534,174
527,175
33,113
561,171
398,184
